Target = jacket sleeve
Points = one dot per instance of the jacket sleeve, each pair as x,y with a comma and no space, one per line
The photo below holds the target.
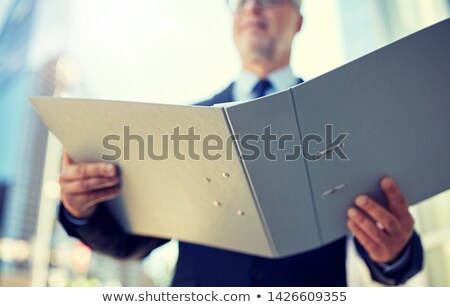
102,233
407,264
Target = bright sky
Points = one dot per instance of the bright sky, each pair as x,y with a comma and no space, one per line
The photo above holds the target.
175,51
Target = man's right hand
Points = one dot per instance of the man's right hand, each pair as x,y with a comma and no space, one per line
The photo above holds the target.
85,185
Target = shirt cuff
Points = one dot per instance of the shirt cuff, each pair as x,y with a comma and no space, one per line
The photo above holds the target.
397,264
73,220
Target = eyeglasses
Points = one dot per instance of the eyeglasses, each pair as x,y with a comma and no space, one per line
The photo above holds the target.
237,5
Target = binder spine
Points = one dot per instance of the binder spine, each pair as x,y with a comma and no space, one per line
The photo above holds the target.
252,189
307,169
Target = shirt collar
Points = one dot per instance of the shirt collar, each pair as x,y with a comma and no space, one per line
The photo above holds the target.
281,79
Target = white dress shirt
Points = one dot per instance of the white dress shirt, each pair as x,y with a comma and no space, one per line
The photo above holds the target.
280,79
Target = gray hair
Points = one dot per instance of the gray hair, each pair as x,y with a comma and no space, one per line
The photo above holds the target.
296,4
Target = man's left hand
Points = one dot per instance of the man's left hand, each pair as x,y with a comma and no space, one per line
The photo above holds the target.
383,232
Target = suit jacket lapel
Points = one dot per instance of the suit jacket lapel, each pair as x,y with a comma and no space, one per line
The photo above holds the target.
226,96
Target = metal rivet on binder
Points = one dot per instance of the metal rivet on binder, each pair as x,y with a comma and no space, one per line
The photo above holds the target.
217,204
240,212
319,155
333,190
206,179
226,175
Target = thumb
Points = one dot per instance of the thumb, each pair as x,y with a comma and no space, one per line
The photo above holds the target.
66,160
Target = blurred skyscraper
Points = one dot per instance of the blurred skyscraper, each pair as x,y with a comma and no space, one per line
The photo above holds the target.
17,205
24,140
14,87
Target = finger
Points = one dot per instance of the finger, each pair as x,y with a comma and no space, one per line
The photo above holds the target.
105,195
379,214
397,202
90,199
368,226
88,170
66,160
369,245
88,185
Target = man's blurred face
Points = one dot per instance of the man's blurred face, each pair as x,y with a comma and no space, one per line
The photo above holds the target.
265,32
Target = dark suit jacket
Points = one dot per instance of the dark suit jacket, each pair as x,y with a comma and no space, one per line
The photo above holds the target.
204,266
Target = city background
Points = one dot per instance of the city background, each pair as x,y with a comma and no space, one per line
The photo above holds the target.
156,51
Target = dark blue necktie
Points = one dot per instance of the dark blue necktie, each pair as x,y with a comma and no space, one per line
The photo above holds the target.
261,88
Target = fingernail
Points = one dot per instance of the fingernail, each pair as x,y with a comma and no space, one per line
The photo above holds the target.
110,169
351,212
387,183
361,200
